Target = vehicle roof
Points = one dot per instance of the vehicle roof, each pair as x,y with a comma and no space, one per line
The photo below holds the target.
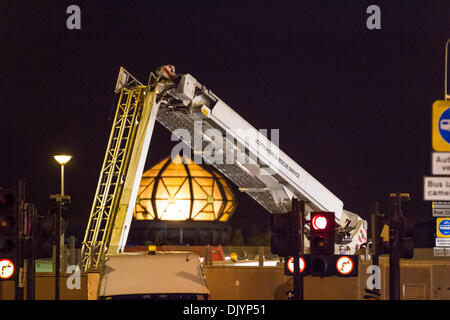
141,273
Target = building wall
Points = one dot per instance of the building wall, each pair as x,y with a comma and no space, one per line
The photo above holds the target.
419,280
45,288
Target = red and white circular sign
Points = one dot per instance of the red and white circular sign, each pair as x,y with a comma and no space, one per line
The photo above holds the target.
6,269
344,265
290,264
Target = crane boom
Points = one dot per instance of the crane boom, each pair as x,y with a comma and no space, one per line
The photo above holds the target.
124,161
218,135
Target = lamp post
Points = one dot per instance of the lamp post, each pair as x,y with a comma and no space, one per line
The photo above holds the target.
62,160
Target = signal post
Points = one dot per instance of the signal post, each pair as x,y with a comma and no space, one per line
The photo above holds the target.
297,225
287,241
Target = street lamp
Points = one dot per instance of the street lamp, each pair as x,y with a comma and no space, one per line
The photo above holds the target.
62,160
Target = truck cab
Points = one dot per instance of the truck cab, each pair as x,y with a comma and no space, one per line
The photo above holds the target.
153,276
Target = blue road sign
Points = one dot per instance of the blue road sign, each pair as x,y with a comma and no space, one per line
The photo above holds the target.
443,227
444,125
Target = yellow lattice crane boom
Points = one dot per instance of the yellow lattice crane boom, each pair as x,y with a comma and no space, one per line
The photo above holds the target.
122,168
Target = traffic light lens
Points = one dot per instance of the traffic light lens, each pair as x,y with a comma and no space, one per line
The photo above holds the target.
6,224
6,200
6,246
319,222
318,243
318,266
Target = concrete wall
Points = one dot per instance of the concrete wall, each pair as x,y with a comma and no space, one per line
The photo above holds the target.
270,283
420,280
45,288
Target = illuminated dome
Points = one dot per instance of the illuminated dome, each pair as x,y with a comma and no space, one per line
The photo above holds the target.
181,190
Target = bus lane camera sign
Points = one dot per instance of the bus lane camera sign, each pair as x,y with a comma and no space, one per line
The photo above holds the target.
441,125
443,227
436,189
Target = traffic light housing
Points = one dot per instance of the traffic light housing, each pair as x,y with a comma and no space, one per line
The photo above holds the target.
281,239
8,234
54,211
64,217
379,244
322,240
406,243
401,234
8,225
43,236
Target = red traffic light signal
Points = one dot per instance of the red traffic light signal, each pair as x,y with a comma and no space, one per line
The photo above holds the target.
319,222
322,233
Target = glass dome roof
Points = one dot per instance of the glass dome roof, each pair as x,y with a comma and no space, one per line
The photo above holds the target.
182,190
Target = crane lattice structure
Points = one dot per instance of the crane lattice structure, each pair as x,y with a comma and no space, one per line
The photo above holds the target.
114,170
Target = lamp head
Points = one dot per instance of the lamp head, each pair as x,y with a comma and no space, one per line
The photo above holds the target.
62,159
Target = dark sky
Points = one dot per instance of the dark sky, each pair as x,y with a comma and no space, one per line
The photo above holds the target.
352,105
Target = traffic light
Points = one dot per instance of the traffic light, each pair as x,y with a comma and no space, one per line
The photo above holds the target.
322,240
406,243
8,225
379,244
64,217
54,211
401,228
43,235
8,234
281,241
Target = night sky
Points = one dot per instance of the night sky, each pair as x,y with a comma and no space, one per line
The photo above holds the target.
352,105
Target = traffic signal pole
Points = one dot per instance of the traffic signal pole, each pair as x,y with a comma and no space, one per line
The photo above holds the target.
394,252
375,229
31,258
58,250
298,209
60,198
301,211
287,241
20,214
